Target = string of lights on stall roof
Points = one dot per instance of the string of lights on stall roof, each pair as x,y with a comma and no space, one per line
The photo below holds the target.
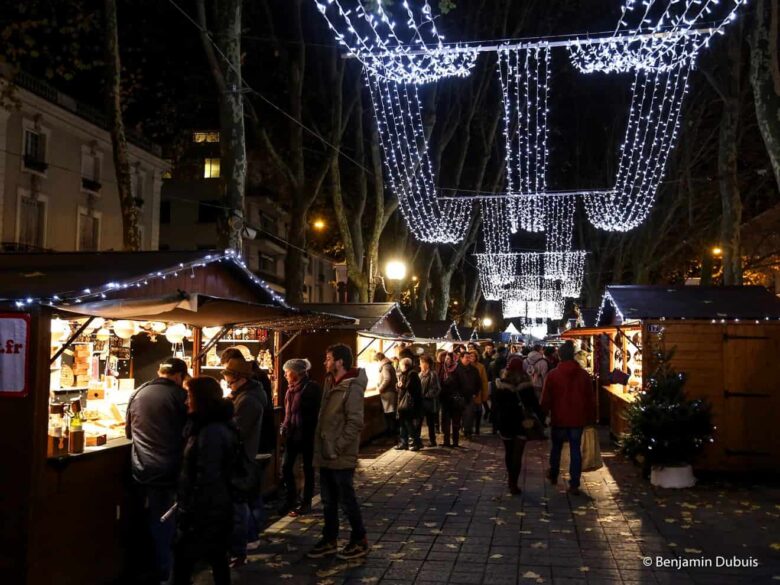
103,291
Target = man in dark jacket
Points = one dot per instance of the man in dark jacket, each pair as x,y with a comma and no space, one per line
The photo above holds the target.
469,384
249,402
156,415
568,397
497,365
301,410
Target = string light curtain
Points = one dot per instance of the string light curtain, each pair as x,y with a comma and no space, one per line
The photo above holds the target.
651,133
635,44
408,166
525,78
375,38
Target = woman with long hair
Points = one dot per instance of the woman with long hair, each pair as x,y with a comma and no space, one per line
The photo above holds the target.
205,503
410,406
431,389
509,407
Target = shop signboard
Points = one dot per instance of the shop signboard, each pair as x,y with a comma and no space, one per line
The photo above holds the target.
14,354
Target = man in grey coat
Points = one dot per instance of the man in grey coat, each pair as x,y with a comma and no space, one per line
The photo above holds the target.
336,444
388,392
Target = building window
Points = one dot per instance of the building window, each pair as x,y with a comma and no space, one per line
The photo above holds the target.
34,153
211,168
137,185
165,212
88,230
268,223
266,264
209,211
205,136
31,229
91,163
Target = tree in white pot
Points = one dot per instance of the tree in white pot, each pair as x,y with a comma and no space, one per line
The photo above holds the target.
666,430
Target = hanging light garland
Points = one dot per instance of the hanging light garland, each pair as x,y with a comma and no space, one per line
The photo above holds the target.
409,169
654,38
651,133
372,37
525,77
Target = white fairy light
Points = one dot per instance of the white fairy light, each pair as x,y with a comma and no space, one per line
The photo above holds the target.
651,133
409,169
419,58
646,41
525,77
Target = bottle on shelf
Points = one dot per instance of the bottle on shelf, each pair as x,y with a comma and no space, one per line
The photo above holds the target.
76,428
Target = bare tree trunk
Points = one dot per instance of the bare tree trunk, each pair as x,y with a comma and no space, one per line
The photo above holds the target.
226,70
765,77
728,181
472,296
131,211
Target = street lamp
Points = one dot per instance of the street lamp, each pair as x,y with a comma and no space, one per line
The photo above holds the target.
395,272
319,224
717,251
487,322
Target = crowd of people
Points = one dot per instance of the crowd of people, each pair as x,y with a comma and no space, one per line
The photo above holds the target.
191,443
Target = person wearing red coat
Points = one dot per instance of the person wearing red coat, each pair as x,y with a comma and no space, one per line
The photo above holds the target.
568,397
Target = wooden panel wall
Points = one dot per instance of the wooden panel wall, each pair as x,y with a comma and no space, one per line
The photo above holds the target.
715,362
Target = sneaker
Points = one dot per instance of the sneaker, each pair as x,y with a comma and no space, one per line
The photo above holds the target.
415,448
322,549
253,545
401,447
354,550
301,510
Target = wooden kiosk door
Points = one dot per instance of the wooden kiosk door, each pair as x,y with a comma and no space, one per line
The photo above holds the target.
751,396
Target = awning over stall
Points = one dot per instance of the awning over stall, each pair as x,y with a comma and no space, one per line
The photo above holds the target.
435,331
206,311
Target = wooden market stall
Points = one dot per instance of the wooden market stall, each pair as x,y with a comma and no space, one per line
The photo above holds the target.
725,339
436,335
376,327
74,324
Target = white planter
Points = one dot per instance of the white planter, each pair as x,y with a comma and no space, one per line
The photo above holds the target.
672,476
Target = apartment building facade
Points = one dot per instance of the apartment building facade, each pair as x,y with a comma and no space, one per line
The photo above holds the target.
57,178
191,207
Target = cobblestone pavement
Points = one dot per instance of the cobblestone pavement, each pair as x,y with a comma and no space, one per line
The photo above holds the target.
445,516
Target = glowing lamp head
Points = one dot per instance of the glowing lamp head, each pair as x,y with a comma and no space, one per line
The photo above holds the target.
319,224
395,270
487,322
717,251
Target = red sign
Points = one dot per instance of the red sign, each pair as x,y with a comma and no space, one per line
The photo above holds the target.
14,353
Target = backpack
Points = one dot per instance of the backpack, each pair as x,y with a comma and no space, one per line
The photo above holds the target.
245,476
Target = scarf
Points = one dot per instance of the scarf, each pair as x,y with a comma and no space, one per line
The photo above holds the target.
446,371
293,417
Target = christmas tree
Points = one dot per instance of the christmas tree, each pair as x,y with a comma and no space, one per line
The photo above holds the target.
665,428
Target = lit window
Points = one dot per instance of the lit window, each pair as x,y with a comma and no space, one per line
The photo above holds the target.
211,168
205,136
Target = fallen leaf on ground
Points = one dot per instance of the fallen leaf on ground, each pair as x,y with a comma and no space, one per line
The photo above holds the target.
584,569
497,556
368,580
538,545
775,546
693,551
286,576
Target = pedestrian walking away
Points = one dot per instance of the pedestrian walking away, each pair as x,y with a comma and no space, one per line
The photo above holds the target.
155,419
336,445
469,383
204,495
301,408
388,393
249,402
410,407
431,388
481,396
510,411
568,397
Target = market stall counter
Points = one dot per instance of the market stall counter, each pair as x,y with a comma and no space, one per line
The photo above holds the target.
79,332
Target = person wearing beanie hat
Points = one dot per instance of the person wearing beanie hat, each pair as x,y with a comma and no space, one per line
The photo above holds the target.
301,409
249,404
